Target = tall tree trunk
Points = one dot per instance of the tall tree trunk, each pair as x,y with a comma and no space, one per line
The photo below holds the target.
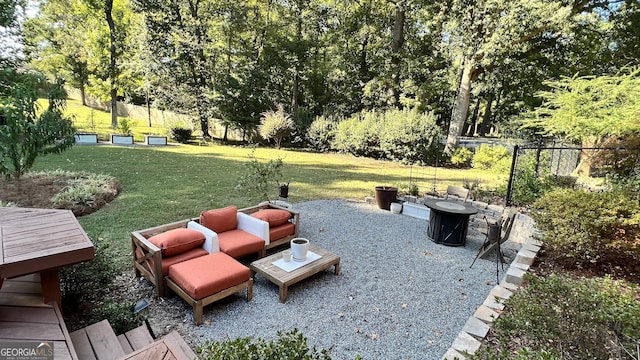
297,67
396,47
83,95
460,106
471,128
364,66
113,71
484,126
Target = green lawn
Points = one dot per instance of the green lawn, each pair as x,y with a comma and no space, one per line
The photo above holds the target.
165,184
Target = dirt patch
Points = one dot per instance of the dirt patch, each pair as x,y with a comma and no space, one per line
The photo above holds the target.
37,190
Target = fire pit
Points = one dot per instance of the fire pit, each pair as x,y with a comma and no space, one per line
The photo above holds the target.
448,222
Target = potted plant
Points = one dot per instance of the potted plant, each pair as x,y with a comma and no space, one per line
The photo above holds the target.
385,195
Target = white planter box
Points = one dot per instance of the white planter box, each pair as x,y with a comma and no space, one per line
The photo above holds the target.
155,140
416,210
121,139
89,138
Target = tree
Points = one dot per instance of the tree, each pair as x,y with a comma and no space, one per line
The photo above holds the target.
73,40
588,107
180,35
486,34
25,131
7,12
593,110
56,42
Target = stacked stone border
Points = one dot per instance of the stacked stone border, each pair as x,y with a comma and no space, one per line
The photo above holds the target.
524,232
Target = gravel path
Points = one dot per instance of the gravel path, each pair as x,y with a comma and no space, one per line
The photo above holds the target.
399,296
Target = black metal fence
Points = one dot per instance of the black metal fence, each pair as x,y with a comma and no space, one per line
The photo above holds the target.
563,160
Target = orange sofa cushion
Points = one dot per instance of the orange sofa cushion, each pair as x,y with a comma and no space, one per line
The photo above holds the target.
177,241
238,243
275,217
187,255
281,231
220,220
208,275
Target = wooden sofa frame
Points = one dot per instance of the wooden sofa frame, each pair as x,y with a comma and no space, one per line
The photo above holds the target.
295,220
141,245
199,304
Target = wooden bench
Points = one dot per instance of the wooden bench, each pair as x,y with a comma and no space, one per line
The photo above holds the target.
99,342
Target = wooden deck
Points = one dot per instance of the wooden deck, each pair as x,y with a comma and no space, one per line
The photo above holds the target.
24,316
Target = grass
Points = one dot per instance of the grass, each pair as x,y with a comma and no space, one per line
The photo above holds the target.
165,184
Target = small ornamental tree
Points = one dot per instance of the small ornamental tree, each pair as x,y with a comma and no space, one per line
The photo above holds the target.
260,177
25,131
275,125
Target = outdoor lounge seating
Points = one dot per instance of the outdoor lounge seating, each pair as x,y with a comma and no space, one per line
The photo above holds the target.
185,257
238,234
284,224
153,260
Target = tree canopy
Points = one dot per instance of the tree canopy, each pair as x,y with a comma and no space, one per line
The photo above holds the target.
590,106
475,65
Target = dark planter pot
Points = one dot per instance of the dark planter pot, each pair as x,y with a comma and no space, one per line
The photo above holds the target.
385,195
284,190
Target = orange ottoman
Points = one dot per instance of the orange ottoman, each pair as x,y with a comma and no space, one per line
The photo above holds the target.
209,278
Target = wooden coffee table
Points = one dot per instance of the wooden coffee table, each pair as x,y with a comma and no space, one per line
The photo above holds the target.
284,279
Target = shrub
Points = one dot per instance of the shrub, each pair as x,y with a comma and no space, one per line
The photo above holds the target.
181,135
276,125
357,135
408,136
558,317
288,346
494,158
462,157
321,133
125,126
403,135
583,228
82,281
82,190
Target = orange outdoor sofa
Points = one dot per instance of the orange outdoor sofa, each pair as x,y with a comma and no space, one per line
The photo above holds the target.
197,258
